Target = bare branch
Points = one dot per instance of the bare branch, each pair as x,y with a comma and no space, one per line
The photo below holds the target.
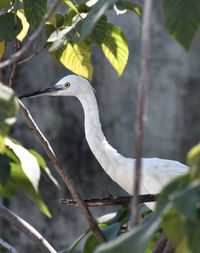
31,56
7,246
142,85
160,244
14,68
110,201
66,178
27,229
12,75
169,248
16,56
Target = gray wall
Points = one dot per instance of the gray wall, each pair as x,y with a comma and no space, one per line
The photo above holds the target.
172,126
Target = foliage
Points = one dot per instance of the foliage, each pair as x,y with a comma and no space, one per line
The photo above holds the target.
193,159
19,167
182,19
71,34
69,37
180,221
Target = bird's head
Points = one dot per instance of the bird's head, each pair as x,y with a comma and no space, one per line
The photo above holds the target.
71,85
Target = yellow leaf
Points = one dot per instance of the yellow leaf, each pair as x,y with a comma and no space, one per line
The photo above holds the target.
115,48
25,24
2,49
2,144
77,58
52,20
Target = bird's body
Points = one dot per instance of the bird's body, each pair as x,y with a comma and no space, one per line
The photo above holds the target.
156,173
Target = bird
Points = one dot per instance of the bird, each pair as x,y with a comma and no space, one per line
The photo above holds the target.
156,173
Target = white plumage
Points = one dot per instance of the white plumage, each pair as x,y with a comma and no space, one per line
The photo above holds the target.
156,173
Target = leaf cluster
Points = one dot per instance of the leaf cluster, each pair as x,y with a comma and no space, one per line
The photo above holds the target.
19,167
70,34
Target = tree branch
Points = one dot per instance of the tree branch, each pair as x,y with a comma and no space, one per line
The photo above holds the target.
27,229
109,201
14,67
31,56
160,244
66,178
168,248
16,56
7,246
142,86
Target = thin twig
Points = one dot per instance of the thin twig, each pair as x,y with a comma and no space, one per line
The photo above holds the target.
28,230
16,56
110,201
31,56
160,244
142,85
66,178
169,248
14,68
7,246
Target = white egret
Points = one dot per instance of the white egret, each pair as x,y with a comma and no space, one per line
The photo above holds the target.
156,173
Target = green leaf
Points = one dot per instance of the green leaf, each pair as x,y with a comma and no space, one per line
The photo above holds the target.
18,180
71,5
4,3
77,58
11,155
190,210
4,170
133,7
28,162
2,49
10,26
56,19
8,110
193,234
115,48
77,241
2,144
168,193
193,160
134,241
94,15
59,38
35,11
182,20
111,218
174,228
42,164
49,29
99,31
58,41
91,244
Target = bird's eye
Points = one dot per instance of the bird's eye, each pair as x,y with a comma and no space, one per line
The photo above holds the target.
67,84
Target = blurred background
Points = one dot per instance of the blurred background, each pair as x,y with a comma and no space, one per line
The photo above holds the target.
172,123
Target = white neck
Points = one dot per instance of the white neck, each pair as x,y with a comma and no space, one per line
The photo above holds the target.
106,155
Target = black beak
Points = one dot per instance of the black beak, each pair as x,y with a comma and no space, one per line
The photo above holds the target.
43,92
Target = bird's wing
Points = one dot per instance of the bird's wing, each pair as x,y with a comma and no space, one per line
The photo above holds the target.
157,173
